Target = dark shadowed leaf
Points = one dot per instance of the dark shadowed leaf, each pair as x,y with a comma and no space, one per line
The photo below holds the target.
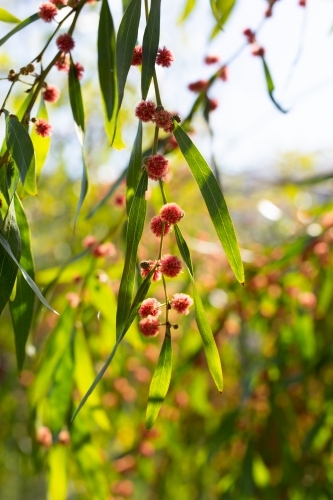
75,98
23,305
20,145
7,17
106,44
135,226
19,27
134,168
10,236
126,40
270,86
214,200
160,382
150,43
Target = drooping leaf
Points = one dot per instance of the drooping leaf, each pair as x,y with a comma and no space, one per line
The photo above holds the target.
150,43
134,168
20,145
41,144
221,10
108,195
75,99
160,382
23,305
135,226
83,189
7,17
5,245
10,235
106,46
189,6
19,27
126,40
57,472
138,299
211,351
270,86
214,200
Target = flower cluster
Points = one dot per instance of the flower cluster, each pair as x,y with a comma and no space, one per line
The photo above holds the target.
51,93
147,111
251,38
65,42
168,265
42,127
156,166
164,57
47,11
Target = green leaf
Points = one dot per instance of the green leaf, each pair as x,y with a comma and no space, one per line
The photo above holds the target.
134,168
75,98
108,195
270,85
10,235
5,245
139,297
19,27
160,382
106,45
150,43
189,6
214,200
41,144
23,305
221,10
84,188
20,145
211,351
126,40
57,472
7,17
135,227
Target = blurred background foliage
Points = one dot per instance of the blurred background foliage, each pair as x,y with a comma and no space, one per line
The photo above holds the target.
268,435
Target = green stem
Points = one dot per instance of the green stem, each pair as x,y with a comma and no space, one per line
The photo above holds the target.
8,94
157,90
162,191
155,144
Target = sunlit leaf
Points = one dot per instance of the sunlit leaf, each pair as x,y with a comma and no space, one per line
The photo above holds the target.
134,168
221,10
150,43
19,27
23,305
7,17
160,382
126,40
135,227
41,144
214,200
58,472
189,6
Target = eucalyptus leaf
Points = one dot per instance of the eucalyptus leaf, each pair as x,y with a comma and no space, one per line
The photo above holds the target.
150,43
7,17
20,145
19,27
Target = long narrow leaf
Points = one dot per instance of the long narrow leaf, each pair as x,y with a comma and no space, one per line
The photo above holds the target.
84,188
126,40
8,269
75,98
7,17
106,47
134,168
214,200
270,86
135,226
23,306
41,144
20,145
160,382
20,27
5,245
150,43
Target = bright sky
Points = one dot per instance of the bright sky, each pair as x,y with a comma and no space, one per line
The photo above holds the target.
250,133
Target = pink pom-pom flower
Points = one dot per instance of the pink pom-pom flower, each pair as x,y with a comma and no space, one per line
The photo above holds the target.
171,213
181,303
156,166
137,56
211,59
170,265
43,128
198,86
224,73
145,111
47,11
63,63
147,266
79,69
51,93
149,307
163,119
65,43
149,326
164,57
156,226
